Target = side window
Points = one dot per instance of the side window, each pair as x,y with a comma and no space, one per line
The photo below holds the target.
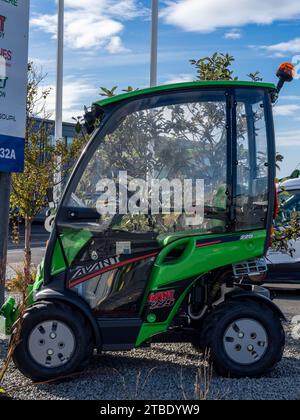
252,157
166,155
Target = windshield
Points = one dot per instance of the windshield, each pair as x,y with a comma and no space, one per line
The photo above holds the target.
160,166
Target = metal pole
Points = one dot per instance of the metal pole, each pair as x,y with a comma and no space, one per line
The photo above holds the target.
59,91
154,44
5,182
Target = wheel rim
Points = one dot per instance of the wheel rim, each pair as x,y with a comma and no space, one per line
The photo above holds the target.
51,344
246,341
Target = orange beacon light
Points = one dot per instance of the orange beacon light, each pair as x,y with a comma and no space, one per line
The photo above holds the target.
286,73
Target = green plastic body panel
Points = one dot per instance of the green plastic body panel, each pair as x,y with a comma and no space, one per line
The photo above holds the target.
10,310
164,88
8,316
193,263
73,242
58,261
37,284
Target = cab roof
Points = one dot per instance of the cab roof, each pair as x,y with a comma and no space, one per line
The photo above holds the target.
163,88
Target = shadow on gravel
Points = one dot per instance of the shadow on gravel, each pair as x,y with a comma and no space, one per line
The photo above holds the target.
136,376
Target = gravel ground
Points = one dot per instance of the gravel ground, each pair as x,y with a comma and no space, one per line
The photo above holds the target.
166,371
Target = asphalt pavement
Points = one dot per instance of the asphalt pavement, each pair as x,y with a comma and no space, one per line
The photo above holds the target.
39,237
15,253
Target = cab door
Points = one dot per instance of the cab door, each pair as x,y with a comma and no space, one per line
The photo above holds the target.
109,226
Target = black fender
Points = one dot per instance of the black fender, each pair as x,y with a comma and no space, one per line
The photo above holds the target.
77,302
240,294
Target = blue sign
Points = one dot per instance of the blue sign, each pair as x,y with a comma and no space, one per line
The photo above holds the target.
14,28
11,154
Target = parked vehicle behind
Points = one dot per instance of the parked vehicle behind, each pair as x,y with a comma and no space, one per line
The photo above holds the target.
284,268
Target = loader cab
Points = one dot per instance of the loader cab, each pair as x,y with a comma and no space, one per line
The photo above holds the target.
170,204
164,164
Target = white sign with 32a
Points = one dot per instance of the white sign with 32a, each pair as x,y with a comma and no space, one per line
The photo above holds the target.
14,28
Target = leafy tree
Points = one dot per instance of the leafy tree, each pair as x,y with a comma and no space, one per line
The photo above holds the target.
216,67
108,92
286,234
255,77
42,160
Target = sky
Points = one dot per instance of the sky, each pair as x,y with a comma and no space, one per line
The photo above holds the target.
107,44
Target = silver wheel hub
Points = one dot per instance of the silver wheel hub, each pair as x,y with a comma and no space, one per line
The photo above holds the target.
245,341
51,344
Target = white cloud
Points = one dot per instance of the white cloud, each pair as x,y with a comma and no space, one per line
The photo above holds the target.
41,62
290,97
233,34
76,95
288,138
207,16
92,23
180,78
115,46
283,48
286,110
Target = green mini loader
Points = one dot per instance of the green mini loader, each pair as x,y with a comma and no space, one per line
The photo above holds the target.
161,234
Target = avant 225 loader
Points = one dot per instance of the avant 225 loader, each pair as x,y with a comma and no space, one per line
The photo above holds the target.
162,229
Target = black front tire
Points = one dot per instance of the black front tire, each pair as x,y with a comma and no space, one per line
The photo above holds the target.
42,312
211,338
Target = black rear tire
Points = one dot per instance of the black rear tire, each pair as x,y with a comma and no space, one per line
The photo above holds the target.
211,338
45,312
